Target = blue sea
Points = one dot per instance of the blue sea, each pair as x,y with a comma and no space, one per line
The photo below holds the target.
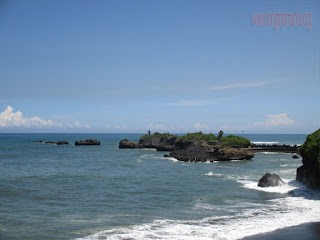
102,192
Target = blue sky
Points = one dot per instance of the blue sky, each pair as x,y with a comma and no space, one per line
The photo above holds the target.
177,66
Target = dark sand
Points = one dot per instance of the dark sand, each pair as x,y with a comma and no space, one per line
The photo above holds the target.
308,231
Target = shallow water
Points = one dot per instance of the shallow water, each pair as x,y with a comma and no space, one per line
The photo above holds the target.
102,192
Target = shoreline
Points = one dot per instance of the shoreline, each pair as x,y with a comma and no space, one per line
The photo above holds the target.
306,231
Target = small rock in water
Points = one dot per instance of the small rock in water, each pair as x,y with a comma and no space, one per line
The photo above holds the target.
270,180
295,156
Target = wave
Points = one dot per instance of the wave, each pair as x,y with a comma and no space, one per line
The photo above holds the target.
265,143
301,207
211,174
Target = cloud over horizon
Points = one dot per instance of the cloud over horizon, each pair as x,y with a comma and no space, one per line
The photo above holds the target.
280,119
8,118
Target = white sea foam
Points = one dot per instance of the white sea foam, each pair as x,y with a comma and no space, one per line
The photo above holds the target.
265,143
149,149
285,188
211,174
172,159
300,207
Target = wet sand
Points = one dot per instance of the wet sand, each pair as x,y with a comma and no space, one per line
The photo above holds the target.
308,231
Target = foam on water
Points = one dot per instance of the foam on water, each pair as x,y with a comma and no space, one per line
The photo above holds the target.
172,159
302,207
265,143
211,174
285,188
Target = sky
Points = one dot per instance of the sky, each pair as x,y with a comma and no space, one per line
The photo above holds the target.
167,66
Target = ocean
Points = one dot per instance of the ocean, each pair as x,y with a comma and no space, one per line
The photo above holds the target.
102,192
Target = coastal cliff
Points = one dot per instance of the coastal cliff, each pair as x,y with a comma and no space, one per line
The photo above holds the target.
309,172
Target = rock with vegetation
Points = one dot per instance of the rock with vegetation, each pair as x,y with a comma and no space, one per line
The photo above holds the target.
309,172
270,180
195,147
87,142
199,147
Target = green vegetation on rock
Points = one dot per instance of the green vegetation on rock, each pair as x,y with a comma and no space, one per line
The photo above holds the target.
198,136
227,141
311,148
234,141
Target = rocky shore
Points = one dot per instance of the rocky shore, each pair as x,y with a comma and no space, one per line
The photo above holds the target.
309,172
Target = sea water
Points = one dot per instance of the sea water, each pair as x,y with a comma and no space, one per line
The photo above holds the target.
103,192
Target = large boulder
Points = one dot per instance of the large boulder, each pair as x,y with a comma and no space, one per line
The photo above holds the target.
309,172
270,180
87,142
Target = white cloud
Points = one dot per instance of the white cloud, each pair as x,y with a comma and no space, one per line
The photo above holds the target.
200,127
79,125
189,102
240,85
8,118
276,120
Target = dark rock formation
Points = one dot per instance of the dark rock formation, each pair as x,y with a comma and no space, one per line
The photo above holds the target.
87,142
309,172
270,180
160,143
202,152
295,156
125,143
52,142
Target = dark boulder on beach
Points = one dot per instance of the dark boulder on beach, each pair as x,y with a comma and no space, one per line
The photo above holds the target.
270,180
309,172
87,142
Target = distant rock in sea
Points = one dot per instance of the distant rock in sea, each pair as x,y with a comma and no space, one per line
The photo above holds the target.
270,180
309,172
87,142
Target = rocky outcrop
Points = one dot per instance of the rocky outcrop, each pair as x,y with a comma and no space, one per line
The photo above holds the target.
295,156
160,143
270,180
202,152
309,172
125,143
87,142
52,142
